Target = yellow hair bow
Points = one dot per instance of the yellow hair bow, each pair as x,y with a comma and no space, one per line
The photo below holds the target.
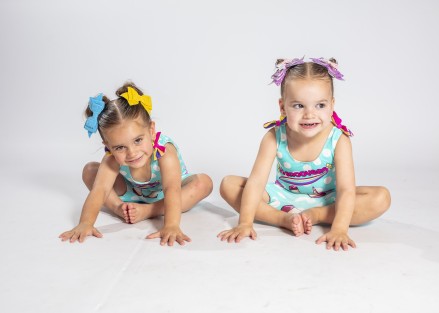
134,98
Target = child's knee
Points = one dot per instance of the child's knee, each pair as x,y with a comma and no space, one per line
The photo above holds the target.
230,185
225,186
204,184
380,201
89,172
201,184
384,198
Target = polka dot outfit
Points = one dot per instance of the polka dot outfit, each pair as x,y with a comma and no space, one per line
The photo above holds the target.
302,185
151,191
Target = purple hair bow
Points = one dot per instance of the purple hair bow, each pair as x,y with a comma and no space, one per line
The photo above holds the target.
331,66
282,68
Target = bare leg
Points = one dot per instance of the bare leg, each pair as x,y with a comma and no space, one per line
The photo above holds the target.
113,201
193,189
370,203
231,190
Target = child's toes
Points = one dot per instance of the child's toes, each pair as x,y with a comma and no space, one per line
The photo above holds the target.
297,226
307,223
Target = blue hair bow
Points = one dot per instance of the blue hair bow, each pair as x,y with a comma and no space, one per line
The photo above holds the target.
96,105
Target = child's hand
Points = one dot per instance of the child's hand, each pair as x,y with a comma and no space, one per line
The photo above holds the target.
80,232
170,234
237,233
336,239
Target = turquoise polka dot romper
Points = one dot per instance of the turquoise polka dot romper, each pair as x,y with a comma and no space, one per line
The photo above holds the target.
302,185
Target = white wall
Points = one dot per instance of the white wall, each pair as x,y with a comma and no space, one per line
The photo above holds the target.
207,65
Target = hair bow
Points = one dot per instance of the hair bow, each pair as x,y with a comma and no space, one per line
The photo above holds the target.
337,122
96,106
282,120
134,98
158,149
282,68
330,66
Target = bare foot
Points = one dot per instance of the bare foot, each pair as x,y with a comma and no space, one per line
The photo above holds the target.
136,212
300,224
121,211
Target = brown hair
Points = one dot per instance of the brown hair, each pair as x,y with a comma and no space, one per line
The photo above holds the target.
117,110
306,70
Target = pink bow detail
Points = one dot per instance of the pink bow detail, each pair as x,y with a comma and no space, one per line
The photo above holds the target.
158,149
337,122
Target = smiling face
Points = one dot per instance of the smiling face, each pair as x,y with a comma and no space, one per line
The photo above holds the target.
130,142
308,105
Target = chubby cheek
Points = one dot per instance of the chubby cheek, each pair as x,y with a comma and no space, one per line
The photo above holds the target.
292,118
120,158
148,149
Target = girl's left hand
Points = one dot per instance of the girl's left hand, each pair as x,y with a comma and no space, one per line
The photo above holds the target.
170,234
336,239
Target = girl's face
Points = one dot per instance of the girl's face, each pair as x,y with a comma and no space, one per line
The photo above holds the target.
308,105
131,142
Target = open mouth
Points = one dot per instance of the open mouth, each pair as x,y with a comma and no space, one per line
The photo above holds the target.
308,125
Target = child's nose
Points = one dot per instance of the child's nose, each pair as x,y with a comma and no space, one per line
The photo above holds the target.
309,112
131,151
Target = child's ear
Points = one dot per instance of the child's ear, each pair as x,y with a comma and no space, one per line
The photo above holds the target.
281,107
106,146
152,129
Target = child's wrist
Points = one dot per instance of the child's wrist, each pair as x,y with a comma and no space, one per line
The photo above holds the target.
245,224
86,223
171,224
340,228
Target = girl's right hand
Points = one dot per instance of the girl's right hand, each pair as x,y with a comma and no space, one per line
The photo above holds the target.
237,233
80,232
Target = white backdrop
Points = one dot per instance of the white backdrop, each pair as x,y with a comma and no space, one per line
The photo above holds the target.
207,65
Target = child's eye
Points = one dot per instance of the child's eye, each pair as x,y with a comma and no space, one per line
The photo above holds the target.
138,141
119,148
297,106
321,105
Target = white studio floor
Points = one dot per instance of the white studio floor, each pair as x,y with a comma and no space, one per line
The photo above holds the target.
394,269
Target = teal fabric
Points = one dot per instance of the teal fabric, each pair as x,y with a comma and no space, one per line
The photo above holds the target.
302,185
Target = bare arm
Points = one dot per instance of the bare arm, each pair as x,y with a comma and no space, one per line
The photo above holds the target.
171,182
253,190
345,201
255,186
104,182
105,178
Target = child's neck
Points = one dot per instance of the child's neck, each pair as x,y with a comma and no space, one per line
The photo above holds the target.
307,149
142,174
